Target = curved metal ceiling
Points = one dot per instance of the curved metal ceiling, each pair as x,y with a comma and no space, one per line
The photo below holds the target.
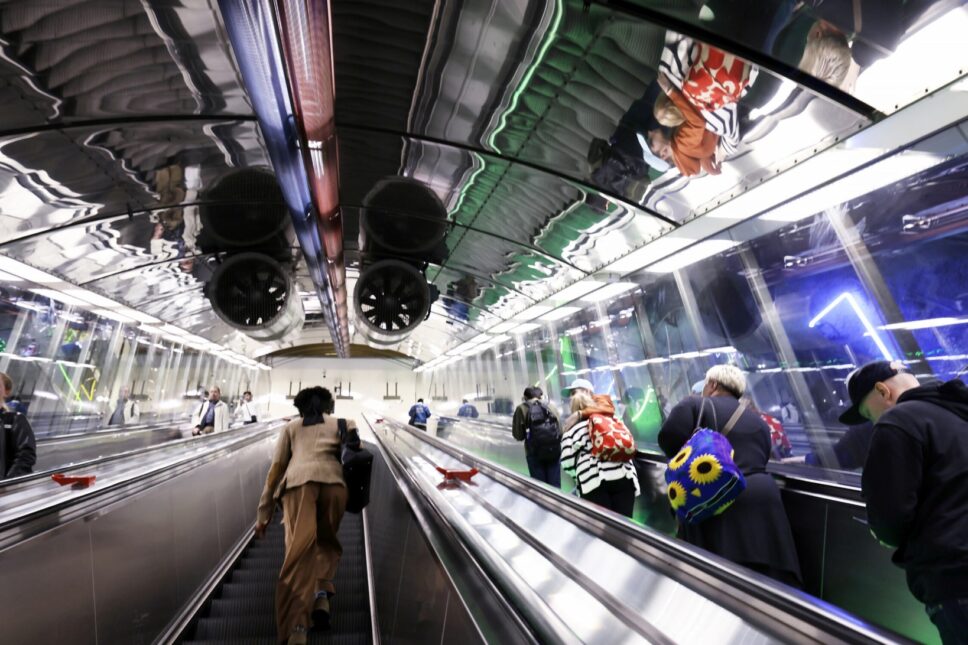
528,119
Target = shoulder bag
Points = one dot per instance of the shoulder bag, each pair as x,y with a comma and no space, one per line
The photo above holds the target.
357,467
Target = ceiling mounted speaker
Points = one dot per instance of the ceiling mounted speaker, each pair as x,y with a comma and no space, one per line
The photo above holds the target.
402,216
391,299
256,295
245,210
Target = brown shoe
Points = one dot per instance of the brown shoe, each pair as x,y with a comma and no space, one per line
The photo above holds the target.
321,613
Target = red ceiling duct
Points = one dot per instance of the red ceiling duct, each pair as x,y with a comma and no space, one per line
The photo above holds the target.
304,27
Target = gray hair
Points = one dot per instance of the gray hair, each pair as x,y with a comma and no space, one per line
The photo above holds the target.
729,377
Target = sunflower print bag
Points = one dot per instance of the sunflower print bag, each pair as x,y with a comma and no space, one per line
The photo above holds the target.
703,479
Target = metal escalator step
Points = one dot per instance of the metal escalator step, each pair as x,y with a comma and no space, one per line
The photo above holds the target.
247,605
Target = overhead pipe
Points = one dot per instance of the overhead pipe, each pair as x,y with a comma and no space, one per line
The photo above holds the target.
251,26
305,31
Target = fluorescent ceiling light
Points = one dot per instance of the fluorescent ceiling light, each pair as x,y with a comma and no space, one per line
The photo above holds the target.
500,328
137,315
887,171
60,297
112,315
525,328
497,340
652,251
26,272
92,298
560,312
535,311
576,290
693,254
609,291
929,323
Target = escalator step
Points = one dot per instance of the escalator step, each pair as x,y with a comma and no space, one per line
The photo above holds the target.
243,609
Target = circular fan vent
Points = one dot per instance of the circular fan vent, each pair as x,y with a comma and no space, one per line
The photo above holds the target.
402,215
249,209
391,299
255,294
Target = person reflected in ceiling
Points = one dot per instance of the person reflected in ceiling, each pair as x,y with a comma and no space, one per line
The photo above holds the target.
692,147
459,294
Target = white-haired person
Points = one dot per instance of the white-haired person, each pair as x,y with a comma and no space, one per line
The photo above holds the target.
754,531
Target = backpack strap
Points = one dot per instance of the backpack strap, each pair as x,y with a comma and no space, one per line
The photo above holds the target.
341,424
702,409
733,419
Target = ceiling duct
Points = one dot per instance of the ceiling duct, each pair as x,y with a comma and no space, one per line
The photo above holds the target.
255,294
245,210
392,297
403,226
401,216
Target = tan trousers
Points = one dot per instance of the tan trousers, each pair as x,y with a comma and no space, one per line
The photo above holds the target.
311,513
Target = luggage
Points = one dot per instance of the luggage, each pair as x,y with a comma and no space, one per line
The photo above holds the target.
544,435
357,468
611,440
703,478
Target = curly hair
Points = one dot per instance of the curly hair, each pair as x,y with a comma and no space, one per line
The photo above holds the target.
313,402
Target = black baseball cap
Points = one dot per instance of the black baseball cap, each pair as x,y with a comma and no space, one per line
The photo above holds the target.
861,382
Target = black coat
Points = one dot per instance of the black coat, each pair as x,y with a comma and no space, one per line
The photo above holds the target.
754,531
915,482
18,449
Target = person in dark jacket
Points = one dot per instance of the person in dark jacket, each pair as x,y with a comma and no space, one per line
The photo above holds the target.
419,413
915,483
755,530
548,472
18,448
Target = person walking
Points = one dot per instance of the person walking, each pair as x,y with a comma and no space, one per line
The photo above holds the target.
611,484
755,531
419,413
915,483
18,447
212,415
307,475
535,423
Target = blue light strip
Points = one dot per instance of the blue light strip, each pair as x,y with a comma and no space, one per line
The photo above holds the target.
250,26
849,298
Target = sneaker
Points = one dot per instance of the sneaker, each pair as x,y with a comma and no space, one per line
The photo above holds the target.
298,636
321,613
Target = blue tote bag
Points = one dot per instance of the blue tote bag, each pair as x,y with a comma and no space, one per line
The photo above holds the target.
703,478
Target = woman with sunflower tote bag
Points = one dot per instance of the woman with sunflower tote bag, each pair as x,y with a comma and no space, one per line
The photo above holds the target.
754,530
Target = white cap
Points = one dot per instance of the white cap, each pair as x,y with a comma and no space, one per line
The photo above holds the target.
581,384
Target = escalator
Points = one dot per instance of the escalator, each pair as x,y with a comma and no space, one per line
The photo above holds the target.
242,609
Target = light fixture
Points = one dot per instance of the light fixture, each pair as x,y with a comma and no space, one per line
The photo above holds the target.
91,298
691,255
849,299
112,315
25,271
60,297
576,290
883,173
9,277
560,312
535,311
525,328
500,328
929,323
609,291
651,252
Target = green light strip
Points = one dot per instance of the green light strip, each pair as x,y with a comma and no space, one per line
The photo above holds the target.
516,96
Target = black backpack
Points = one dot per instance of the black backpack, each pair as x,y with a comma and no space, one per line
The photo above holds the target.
357,466
544,435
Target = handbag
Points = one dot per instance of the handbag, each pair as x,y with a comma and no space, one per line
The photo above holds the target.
357,467
611,440
703,478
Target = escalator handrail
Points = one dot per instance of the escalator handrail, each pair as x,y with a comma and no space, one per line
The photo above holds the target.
722,572
13,482
83,504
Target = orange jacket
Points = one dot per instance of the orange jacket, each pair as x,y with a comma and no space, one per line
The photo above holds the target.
693,146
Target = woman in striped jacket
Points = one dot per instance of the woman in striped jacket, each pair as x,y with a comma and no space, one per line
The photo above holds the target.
613,485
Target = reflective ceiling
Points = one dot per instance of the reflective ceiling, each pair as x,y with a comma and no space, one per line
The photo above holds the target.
558,135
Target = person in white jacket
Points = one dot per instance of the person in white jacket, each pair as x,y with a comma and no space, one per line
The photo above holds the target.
247,412
212,415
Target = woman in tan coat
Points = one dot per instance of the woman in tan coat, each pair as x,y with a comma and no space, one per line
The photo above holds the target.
306,473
